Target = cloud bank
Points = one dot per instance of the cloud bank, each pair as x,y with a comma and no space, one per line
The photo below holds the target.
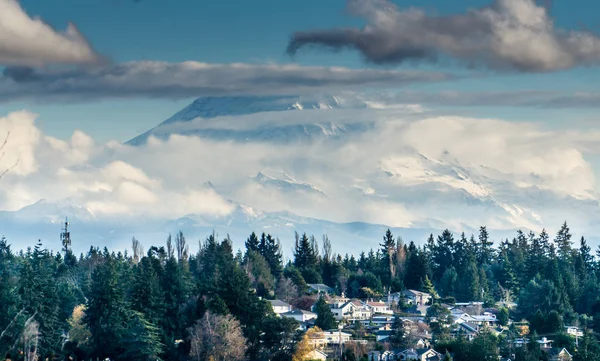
29,41
506,35
516,98
155,79
416,170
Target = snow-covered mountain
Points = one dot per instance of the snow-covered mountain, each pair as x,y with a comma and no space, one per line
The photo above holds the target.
286,183
401,186
44,220
217,107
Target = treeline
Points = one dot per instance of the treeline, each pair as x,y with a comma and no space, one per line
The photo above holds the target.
171,305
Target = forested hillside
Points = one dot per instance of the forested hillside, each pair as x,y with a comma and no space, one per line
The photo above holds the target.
167,304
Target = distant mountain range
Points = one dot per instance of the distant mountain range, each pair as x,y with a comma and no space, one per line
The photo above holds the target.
443,193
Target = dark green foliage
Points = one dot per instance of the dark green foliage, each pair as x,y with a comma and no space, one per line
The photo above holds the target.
140,308
325,318
141,342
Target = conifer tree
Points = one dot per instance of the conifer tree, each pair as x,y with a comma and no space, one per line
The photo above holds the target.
563,243
106,311
252,243
325,318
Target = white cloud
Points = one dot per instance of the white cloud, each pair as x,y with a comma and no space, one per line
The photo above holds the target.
416,167
29,41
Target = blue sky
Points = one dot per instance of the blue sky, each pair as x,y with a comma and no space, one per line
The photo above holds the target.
255,32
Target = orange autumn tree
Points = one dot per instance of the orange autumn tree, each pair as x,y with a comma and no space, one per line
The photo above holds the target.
307,345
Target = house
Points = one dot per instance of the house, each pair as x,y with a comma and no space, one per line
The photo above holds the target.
574,331
487,319
343,311
545,343
422,343
467,329
304,326
351,310
423,354
335,337
300,315
416,297
383,335
379,307
382,321
316,355
409,354
280,307
381,356
558,354
320,288
374,356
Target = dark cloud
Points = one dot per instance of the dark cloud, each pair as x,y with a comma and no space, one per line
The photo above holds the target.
193,79
506,35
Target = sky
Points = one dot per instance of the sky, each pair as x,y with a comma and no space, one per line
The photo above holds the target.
254,32
489,107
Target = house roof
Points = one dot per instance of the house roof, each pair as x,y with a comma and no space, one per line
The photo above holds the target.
279,303
320,287
555,351
469,326
299,312
415,293
437,356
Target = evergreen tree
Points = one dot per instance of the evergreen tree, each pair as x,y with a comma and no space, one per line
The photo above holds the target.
325,318
388,250
142,340
146,293
563,243
485,251
252,243
106,311
270,249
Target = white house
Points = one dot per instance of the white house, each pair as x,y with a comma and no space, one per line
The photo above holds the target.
280,307
351,310
423,354
381,356
300,315
574,331
335,337
416,297
379,308
342,311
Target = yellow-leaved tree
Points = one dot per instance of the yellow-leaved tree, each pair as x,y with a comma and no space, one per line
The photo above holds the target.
307,344
78,331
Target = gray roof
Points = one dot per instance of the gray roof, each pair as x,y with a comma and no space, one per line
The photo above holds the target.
299,312
278,303
320,287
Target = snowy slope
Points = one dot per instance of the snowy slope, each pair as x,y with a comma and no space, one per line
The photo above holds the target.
215,107
285,182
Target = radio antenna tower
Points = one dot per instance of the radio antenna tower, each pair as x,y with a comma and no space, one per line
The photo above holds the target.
65,237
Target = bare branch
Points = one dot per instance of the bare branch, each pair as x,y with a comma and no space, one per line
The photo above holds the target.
11,323
2,153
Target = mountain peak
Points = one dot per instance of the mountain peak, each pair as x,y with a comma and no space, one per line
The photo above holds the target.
213,107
